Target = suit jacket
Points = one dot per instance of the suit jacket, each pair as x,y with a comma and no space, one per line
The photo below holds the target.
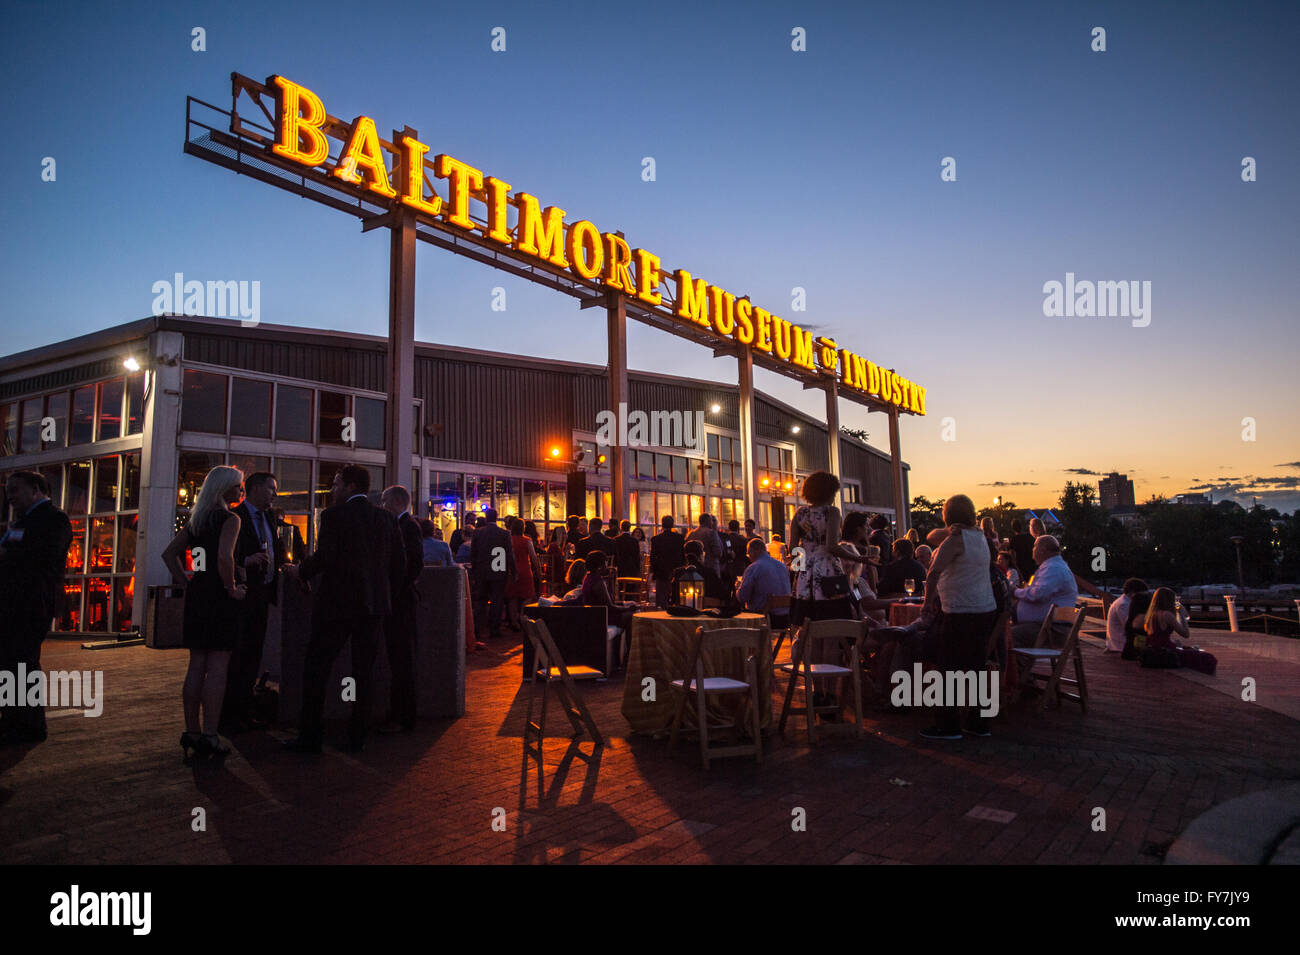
413,548
627,555
248,543
359,558
601,543
31,568
712,542
485,540
667,553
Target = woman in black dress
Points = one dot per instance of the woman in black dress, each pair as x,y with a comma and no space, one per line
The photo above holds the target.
211,603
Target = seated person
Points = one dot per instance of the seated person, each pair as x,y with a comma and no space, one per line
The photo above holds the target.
765,577
1007,564
1134,633
713,586
595,591
1163,621
1117,615
924,554
1051,586
904,566
901,647
573,578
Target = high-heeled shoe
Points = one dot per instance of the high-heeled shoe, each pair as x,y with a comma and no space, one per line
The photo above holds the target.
190,743
209,745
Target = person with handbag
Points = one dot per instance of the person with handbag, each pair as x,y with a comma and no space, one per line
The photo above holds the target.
821,587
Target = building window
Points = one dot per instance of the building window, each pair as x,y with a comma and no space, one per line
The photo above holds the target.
30,438
9,429
106,484
193,468
851,492
293,413
250,408
82,429
131,481
78,487
135,404
56,407
110,409
369,416
53,474
333,409
203,402
250,463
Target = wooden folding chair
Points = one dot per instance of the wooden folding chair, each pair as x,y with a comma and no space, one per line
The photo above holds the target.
631,588
696,683
1057,658
779,607
548,668
816,632
992,656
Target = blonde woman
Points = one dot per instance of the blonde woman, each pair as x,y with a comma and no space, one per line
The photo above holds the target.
211,604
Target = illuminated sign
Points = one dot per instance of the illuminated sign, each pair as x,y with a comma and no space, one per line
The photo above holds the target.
544,234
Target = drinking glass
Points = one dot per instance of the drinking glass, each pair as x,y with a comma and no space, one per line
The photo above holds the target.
909,585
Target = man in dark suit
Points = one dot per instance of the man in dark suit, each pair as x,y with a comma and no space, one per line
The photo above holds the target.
627,552
360,562
399,630
667,553
491,564
33,553
596,540
259,551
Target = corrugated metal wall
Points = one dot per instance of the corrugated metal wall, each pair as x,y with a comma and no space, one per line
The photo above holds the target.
360,365
36,384
508,414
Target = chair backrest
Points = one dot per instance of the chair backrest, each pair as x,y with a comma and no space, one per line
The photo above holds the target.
1073,616
778,605
1070,615
726,638
545,652
816,631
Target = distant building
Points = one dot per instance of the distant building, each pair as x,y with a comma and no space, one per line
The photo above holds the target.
1116,492
1192,499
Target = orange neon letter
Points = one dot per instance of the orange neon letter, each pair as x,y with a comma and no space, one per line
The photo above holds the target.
297,126
744,324
692,298
414,194
462,180
585,251
617,259
498,218
540,233
647,277
363,153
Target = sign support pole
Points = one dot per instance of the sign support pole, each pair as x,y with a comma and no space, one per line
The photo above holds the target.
749,485
896,473
399,418
833,426
616,311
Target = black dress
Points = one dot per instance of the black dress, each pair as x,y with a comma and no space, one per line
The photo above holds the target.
211,621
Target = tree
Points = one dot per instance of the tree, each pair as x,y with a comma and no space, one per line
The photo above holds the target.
859,433
926,514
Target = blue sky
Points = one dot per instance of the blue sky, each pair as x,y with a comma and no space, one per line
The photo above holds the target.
775,169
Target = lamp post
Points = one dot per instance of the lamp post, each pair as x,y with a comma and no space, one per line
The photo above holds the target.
1241,578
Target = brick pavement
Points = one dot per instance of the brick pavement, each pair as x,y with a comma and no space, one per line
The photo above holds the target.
1154,751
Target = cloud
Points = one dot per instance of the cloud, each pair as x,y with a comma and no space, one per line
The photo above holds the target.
1081,471
1008,484
1163,477
1289,464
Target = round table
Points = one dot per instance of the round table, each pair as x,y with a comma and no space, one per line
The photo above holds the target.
660,649
901,614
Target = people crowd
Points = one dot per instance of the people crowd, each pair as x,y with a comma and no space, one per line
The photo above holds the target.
234,551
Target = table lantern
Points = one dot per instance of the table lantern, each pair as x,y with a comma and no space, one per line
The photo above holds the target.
690,588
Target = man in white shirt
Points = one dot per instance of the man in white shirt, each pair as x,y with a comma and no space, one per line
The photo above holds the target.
1117,616
1051,586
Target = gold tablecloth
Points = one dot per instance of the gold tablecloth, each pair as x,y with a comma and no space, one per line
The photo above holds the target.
661,647
900,615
